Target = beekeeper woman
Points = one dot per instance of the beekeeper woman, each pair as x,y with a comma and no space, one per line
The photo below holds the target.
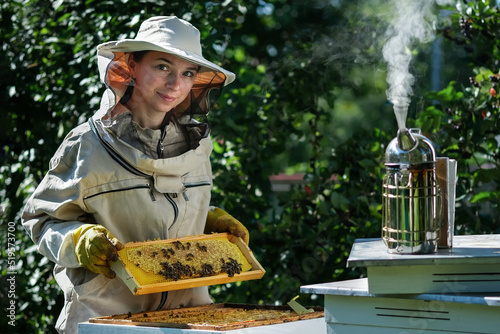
137,170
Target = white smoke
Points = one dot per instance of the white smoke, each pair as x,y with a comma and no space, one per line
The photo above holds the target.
412,23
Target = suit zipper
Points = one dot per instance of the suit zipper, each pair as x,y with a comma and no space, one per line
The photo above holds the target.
159,147
142,186
194,185
151,192
174,205
176,210
197,184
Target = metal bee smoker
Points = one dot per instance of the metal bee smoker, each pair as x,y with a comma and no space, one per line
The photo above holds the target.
411,195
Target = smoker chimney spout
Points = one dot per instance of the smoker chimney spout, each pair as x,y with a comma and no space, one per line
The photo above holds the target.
405,140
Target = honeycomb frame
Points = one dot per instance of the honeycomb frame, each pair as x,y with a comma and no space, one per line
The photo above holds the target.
151,255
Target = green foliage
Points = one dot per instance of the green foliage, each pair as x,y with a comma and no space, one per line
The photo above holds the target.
464,122
308,99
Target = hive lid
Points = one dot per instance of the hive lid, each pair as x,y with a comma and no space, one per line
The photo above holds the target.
467,249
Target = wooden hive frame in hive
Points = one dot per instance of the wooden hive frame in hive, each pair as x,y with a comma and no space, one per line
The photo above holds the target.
269,315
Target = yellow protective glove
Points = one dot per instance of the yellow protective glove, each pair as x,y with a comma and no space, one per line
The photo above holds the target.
219,221
95,247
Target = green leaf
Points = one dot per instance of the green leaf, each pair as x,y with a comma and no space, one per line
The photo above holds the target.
448,94
487,175
483,75
482,196
339,201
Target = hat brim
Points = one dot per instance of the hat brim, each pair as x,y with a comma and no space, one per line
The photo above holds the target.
132,45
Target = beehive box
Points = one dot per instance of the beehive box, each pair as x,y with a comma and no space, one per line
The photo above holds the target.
471,266
174,264
351,309
214,317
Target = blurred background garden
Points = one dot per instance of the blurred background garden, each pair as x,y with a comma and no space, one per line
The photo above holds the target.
299,138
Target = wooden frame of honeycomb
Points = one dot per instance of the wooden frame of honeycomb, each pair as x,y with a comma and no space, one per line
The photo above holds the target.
215,317
174,264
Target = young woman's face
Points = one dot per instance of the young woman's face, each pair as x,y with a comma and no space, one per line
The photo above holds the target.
162,81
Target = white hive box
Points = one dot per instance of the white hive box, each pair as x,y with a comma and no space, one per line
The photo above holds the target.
312,326
472,265
351,309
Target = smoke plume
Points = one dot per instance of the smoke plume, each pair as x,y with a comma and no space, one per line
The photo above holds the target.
412,23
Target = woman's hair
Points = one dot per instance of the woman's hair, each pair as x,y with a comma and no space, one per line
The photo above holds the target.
138,55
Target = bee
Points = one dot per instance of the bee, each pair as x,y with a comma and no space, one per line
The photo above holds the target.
188,245
154,254
201,247
139,252
232,267
171,251
179,245
170,271
206,270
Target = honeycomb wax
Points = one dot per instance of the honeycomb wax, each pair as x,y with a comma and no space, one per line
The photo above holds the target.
177,260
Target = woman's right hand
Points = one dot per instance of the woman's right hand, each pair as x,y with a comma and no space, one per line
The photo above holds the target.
95,246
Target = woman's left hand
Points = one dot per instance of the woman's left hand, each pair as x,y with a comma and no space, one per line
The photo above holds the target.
219,221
